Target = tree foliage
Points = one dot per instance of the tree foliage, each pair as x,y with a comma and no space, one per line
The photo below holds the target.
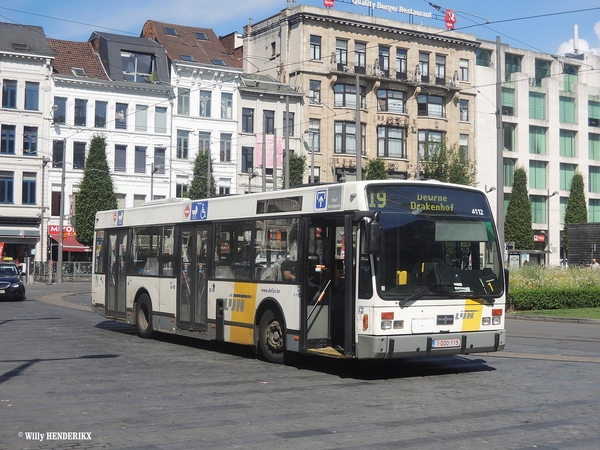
448,163
517,223
96,191
199,187
297,170
375,169
576,211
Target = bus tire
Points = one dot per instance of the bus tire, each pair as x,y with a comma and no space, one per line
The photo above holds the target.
143,318
271,337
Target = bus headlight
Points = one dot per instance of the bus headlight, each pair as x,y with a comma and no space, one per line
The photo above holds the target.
386,324
496,320
485,321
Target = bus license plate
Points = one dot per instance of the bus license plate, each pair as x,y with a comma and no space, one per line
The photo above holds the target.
445,343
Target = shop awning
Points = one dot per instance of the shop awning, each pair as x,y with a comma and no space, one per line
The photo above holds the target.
70,244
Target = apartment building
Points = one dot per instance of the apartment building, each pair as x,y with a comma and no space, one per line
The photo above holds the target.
415,85
25,74
550,127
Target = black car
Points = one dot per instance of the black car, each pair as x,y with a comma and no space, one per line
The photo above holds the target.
11,286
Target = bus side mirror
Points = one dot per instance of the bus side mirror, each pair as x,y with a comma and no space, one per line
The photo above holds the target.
374,235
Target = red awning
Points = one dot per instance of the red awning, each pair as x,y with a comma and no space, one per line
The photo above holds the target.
70,244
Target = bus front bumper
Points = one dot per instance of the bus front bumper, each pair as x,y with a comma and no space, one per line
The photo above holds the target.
402,346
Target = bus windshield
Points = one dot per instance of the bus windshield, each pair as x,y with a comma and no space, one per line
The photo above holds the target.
436,241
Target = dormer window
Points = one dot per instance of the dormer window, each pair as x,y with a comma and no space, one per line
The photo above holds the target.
200,36
218,62
21,47
188,58
170,31
78,72
137,67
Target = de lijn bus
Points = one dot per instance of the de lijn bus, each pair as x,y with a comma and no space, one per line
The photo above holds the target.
370,269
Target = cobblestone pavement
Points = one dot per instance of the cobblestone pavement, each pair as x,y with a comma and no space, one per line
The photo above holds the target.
67,370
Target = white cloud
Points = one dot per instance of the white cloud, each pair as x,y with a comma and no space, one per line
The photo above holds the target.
583,46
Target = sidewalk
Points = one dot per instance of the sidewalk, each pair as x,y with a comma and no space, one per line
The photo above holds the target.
72,294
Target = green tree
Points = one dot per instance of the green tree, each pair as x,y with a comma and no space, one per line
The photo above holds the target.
199,188
375,169
448,163
576,211
297,170
96,191
517,223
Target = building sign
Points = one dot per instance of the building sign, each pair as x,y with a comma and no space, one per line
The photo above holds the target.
69,230
328,3
450,19
392,8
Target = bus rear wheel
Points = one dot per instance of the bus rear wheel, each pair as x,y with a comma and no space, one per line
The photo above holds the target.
143,317
271,340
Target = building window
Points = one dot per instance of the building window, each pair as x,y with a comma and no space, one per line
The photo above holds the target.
538,208
509,171
389,100
30,141
341,53
440,69
508,102
594,179
78,155
247,159
314,174
542,70
424,66
512,64
225,150
120,158
566,173
464,147
288,125
8,140
247,120
140,159
29,188
183,138
204,142
137,67
594,211
6,187
60,110
345,96
32,96
205,97
567,139
181,187
390,142
401,64
139,199
384,60
483,57
315,47
593,113
537,105
345,137
464,110
594,146
80,112
268,121
360,57
141,117
58,153
159,159
566,109
537,140
429,141
121,116
570,76
183,101
9,94
314,135
464,70
314,93
431,105
160,120
226,106
100,114
508,136
224,190
537,174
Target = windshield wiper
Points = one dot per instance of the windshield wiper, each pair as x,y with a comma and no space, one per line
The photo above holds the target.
422,292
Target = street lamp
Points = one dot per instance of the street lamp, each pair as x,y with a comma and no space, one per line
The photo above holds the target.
490,189
153,170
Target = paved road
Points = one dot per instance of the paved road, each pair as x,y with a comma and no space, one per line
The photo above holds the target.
66,369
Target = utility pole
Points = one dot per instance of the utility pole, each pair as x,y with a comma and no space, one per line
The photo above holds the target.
286,155
499,150
358,133
62,215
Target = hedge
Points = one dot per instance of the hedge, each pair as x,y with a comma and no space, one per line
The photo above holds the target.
538,299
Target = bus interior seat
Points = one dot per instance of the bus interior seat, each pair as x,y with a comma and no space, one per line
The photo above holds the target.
223,272
151,266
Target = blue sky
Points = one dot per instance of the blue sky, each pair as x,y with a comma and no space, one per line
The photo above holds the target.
541,26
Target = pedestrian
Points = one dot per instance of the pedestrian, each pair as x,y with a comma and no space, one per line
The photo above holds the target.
594,264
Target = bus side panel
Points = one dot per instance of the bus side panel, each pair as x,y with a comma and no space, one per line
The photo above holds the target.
99,292
162,293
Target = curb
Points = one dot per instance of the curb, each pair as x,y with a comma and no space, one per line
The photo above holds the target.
57,300
552,319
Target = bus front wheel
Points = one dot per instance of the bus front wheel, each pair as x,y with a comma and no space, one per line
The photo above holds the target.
271,337
144,317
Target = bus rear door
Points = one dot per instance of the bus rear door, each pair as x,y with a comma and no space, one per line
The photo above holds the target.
116,279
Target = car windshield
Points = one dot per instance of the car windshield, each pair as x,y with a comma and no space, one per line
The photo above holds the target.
8,271
436,241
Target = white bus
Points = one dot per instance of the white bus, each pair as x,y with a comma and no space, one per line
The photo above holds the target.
371,269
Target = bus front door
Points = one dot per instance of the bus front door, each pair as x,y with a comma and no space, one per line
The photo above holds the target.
116,280
191,298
